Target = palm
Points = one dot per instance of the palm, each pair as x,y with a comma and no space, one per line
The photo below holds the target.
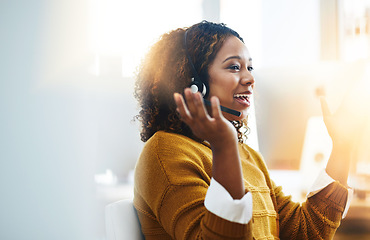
346,124
215,129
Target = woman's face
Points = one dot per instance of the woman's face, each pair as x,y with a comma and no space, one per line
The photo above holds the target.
230,77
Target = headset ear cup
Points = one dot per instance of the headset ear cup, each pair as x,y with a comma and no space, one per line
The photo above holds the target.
194,88
197,86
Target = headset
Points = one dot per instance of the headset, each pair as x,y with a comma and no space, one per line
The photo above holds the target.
197,85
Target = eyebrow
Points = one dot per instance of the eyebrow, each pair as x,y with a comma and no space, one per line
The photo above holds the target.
235,57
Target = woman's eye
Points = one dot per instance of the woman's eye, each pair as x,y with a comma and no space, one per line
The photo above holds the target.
250,68
234,67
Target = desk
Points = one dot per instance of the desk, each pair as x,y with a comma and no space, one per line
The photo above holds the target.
353,229
359,209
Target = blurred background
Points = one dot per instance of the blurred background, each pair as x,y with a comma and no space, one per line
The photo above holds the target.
68,141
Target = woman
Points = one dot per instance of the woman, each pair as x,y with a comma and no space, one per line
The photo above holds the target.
195,178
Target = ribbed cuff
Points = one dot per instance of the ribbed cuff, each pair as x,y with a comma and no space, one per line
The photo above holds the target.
222,228
322,181
336,195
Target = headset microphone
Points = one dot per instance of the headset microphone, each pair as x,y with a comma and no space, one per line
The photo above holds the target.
224,109
197,85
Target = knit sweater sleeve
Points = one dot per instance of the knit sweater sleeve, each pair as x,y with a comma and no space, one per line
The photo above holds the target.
172,176
317,218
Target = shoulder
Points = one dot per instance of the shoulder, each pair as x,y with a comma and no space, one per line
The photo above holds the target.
162,137
166,144
171,155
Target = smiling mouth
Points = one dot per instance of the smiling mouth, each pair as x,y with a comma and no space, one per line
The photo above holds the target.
243,98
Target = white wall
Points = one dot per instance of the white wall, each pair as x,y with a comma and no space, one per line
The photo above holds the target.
46,179
290,32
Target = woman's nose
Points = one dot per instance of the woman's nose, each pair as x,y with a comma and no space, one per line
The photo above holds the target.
247,78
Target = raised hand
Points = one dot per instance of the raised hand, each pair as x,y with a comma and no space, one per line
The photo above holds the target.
345,127
222,136
215,129
346,124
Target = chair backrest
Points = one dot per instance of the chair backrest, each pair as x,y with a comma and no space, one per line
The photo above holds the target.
121,221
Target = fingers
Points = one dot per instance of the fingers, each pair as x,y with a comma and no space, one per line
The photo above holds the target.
193,102
194,113
216,110
181,107
193,109
324,107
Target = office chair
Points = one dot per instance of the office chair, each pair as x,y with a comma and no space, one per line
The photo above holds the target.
122,222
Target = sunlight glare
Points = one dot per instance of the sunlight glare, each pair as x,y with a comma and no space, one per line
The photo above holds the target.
128,28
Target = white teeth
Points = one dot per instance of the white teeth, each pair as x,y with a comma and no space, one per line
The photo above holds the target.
241,95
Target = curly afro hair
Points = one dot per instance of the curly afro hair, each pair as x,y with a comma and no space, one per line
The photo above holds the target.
166,70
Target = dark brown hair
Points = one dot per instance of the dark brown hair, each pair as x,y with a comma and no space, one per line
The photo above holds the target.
166,70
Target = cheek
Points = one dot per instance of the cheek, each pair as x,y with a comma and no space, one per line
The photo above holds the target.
223,93
222,84
217,85
227,84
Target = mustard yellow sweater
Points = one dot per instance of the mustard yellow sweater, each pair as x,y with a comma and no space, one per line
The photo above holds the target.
173,175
